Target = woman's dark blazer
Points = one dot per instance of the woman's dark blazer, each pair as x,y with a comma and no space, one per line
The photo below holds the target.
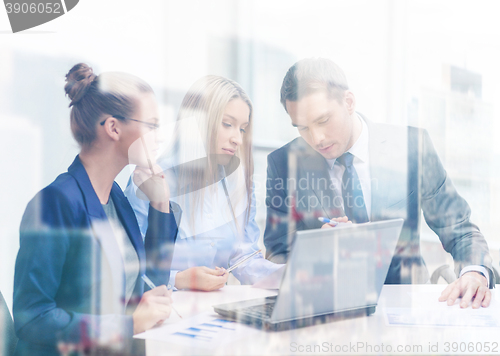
69,274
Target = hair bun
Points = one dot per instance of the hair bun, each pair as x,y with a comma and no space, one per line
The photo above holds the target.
78,81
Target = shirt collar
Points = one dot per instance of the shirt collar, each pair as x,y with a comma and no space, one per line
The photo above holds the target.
360,147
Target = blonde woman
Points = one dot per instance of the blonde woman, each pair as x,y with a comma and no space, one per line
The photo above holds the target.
210,174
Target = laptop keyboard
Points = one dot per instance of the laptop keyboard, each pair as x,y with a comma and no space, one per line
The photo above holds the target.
263,311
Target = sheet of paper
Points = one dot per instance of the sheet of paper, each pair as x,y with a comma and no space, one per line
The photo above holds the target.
427,299
426,310
442,318
207,330
271,281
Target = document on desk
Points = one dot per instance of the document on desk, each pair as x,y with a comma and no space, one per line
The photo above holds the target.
444,318
206,330
428,311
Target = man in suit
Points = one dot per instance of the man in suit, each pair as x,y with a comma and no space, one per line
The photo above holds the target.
345,165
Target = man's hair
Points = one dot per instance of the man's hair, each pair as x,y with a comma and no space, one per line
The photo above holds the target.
312,75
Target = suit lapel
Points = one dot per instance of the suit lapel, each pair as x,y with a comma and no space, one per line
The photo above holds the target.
377,143
388,169
102,231
129,222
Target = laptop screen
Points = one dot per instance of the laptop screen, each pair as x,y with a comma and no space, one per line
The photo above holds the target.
336,269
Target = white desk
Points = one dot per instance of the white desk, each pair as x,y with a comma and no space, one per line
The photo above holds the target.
368,331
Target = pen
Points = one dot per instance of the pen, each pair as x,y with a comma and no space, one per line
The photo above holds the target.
239,263
152,285
328,221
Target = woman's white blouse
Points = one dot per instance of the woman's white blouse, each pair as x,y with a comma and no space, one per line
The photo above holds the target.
214,239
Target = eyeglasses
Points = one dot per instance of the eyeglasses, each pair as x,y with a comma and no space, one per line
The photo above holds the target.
148,124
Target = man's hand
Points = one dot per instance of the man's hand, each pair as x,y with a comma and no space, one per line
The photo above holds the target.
470,285
343,219
201,278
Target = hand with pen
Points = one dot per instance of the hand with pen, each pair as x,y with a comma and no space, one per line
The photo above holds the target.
155,306
201,278
206,279
151,181
334,221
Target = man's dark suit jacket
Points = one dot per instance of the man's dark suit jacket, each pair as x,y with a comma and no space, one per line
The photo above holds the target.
69,275
407,177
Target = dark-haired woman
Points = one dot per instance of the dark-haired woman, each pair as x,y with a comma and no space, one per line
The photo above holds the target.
81,256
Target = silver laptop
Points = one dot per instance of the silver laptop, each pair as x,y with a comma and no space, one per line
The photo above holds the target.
331,274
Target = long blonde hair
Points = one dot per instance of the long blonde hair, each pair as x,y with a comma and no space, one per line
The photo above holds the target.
201,112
